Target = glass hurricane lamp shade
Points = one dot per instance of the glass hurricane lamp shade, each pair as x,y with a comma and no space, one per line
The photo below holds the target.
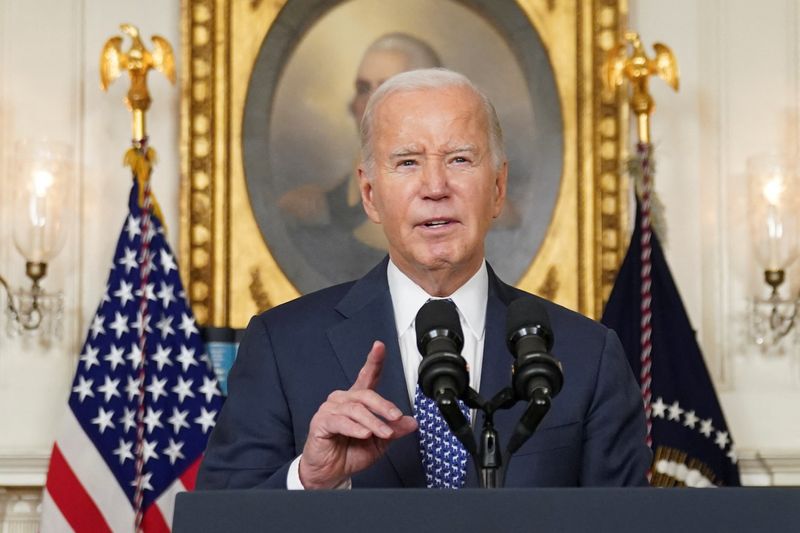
774,212
42,172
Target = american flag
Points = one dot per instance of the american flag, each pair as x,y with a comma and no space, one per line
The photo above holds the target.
119,411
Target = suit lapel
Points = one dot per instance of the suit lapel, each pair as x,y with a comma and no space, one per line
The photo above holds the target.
369,316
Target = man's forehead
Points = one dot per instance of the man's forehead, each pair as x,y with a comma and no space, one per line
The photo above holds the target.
454,95
452,114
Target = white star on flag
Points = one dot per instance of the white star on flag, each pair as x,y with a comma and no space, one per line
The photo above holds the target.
209,388
83,388
103,419
97,326
89,357
722,439
706,428
145,481
178,420
165,294
134,356
132,387
167,262
156,388
133,227
129,261
141,324
206,419
127,419
183,389
115,357
120,325
675,411
165,326
732,454
659,408
125,292
153,419
186,357
161,357
187,325
149,450
149,292
690,419
173,451
123,451
109,388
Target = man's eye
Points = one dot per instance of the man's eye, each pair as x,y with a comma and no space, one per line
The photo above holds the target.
407,163
460,159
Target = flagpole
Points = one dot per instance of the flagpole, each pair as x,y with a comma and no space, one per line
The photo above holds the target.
138,61
636,68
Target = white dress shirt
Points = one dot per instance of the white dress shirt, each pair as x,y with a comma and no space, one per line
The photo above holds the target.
470,299
407,298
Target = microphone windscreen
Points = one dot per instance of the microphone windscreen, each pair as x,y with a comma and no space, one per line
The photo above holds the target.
527,312
437,314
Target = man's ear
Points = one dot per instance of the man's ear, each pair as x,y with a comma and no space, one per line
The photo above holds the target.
368,195
500,187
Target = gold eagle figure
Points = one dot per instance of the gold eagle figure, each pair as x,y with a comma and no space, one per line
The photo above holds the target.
137,61
637,68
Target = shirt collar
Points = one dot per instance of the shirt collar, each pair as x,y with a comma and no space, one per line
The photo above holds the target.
408,297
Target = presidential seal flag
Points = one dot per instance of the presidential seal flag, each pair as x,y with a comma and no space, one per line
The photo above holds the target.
691,442
144,397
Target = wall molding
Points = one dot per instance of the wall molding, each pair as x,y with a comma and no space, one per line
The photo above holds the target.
773,461
23,469
770,466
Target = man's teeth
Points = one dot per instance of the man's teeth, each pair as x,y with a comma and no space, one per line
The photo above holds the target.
436,223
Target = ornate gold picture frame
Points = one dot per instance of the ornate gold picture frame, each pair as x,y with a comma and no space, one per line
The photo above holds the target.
238,55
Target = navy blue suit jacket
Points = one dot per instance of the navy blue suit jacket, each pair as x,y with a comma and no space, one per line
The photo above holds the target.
293,356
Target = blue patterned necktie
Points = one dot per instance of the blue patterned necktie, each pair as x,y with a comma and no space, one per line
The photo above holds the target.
444,458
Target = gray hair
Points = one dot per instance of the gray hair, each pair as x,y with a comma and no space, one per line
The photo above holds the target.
431,78
418,52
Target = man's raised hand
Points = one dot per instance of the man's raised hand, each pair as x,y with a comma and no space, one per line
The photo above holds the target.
352,429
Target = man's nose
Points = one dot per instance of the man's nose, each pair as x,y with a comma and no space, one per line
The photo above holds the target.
434,179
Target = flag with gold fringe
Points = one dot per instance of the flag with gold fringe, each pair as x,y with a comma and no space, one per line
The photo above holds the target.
691,442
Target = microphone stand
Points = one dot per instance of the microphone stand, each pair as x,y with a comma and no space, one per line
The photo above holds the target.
490,464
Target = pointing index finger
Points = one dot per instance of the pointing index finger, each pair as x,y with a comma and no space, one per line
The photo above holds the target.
371,371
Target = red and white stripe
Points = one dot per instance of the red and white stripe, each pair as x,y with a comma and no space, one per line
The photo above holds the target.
643,150
83,495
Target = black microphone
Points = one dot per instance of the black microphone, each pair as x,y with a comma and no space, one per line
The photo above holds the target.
529,339
537,374
443,373
440,339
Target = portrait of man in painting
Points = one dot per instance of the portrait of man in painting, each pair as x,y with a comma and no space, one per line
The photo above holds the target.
306,97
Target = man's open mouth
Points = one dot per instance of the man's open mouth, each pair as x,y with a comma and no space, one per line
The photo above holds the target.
437,223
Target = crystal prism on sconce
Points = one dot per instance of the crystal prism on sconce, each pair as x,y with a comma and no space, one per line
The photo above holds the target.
774,218
41,172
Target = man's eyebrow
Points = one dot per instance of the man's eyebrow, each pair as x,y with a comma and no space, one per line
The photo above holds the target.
405,152
408,151
462,148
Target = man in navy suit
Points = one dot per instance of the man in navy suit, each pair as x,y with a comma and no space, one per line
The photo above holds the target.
306,408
